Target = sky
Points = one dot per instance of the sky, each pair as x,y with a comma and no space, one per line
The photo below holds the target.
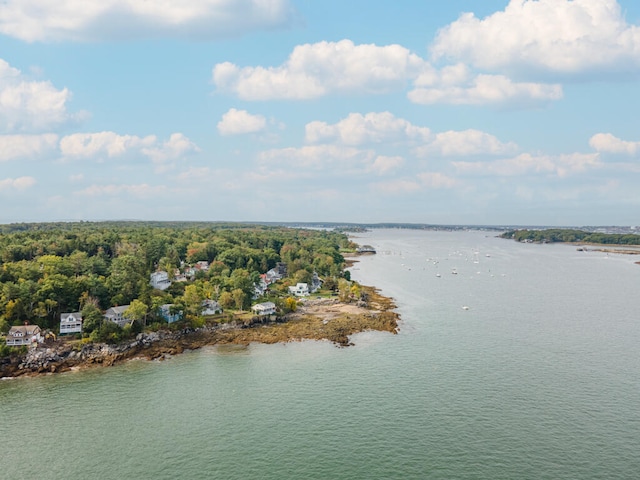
521,112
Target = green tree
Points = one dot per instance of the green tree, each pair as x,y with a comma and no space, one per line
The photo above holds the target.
192,300
91,317
137,311
290,304
226,300
239,298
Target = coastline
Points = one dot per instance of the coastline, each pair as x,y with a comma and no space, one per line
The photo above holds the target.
316,319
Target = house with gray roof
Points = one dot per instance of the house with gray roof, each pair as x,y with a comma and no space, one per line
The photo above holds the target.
24,335
116,315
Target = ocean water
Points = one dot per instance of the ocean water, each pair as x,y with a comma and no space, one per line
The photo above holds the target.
538,377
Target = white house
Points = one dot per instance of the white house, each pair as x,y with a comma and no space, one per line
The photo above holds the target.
116,315
210,307
260,288
70,323
263,309
277,273
300,290
202,265
160,280
24,335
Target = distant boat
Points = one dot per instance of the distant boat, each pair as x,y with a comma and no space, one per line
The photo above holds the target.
465,308
438,275
454,272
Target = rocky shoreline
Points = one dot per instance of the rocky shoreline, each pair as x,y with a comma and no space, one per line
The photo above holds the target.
316,319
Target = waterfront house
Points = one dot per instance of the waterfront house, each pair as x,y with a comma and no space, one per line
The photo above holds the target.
116,315
24,335
202,265
210,307
263,309
160,280
260,288
276,273
70,323
299,290
169,314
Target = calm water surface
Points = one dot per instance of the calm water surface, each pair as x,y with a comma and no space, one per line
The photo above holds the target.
538,378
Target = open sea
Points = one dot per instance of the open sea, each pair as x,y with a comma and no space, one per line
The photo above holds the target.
524,364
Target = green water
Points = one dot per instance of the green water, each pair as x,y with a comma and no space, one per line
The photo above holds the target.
539,378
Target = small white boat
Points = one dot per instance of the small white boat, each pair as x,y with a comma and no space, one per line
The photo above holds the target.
438,275
465,308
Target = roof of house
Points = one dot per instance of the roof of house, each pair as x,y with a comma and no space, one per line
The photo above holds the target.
24,329
71,316
116,310
264,305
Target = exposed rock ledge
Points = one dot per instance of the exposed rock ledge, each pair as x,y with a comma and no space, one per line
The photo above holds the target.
319,319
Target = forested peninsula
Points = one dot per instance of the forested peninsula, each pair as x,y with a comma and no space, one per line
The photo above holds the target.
567,235
75,294
618,243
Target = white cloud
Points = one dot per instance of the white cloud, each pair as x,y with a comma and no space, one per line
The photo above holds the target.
422,181
91,20
482,90
395,187
87,145
27,106
466,142
142,190
437,180
317,157
526,163
315,70
26,146
374,128
176,147
606,142
563,36
358,129
236,122
20,183
112,145
383,164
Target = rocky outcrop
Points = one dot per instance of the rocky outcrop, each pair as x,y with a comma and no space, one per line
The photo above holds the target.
324,319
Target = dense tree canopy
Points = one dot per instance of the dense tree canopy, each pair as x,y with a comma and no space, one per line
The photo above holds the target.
48,269
570,235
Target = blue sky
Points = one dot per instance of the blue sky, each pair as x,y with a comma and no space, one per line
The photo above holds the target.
492,112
